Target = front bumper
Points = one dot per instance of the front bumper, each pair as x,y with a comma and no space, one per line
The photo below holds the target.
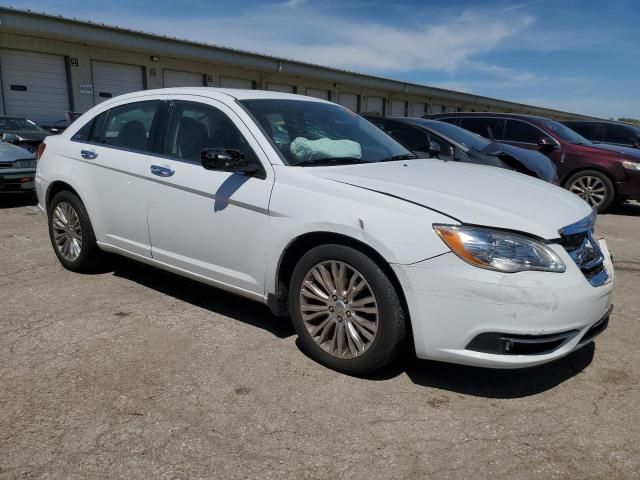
17,180
451,303
631,187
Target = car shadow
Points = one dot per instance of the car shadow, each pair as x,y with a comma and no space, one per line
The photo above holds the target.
201,295
488,382
629,209
15,200
474,381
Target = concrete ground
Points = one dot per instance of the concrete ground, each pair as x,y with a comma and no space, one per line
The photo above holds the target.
135,373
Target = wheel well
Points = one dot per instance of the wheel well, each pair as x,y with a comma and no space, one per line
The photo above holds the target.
301,245
57,187
584,169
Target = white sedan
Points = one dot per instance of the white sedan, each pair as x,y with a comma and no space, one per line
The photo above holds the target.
305,206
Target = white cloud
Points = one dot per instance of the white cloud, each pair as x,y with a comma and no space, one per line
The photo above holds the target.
307,33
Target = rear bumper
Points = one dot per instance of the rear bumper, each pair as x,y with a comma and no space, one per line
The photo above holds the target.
17,180
522,320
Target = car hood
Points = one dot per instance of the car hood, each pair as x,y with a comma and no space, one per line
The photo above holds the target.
28,135
471,194
532,160
632,153
9,153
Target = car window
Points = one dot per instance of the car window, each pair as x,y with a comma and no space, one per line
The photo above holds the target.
310,133
19,124
618,134
482,126
587,130
451,120
192,127
517,131
91,131
412,138
129,126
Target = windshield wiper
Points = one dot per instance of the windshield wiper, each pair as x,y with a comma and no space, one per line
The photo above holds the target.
322,162
404,156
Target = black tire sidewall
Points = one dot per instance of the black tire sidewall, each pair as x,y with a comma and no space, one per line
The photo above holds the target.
391,323
88,251
609,186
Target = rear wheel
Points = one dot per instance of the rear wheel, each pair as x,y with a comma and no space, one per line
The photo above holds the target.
594,187
345,310
71,233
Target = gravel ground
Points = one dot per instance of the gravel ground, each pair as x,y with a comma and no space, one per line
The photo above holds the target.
136,373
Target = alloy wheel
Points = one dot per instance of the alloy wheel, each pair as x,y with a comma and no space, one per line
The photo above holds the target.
589,188
67,232
339,309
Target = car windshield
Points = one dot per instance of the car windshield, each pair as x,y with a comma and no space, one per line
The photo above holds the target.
309,133
457,134
12,123
565,133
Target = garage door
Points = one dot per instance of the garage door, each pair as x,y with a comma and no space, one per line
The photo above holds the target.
229,82
281,87
34,85
375,105
349,100
438,108
397,108
317,93
416,109
173,78
113,79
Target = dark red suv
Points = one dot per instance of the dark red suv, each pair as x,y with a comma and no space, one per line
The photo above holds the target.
602,175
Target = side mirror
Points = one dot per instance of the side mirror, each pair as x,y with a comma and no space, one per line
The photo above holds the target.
434,149
635,141
226,160
546,145
10,138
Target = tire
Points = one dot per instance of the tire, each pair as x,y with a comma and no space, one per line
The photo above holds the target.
68,220
594,187
377,346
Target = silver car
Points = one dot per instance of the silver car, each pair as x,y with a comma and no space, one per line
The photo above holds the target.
17,169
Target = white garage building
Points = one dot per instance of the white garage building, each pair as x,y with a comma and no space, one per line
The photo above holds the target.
52,66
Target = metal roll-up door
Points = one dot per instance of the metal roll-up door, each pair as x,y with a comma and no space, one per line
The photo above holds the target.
281,87
34,85
318,93
417,109
229,82
174,78
375,105
397,108
113,79
349,100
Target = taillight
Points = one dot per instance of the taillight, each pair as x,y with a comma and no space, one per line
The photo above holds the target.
40,150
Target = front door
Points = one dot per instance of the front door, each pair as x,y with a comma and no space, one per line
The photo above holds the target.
209,223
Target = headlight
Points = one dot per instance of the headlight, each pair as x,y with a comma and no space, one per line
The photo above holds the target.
498,250
29,163
631,165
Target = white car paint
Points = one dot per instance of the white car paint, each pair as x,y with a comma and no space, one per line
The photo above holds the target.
230,231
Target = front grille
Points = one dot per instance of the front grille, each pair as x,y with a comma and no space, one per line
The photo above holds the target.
577,239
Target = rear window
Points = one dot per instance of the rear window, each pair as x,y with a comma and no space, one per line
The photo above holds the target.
486,127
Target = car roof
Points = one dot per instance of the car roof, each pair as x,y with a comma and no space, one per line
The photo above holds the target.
236,93
491,114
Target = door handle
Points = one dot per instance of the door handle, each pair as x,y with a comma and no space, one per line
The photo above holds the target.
162,171
88,154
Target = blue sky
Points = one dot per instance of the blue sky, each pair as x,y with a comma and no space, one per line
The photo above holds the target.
576,55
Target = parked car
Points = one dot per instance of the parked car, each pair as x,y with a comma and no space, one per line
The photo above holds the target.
331,221
449,142
17,169
599,175
22,132
615,133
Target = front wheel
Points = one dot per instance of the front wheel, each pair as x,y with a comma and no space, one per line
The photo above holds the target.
345,310
593,187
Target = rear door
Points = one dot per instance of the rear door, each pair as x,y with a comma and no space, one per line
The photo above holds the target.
112,153
210,223
113,79
34,85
